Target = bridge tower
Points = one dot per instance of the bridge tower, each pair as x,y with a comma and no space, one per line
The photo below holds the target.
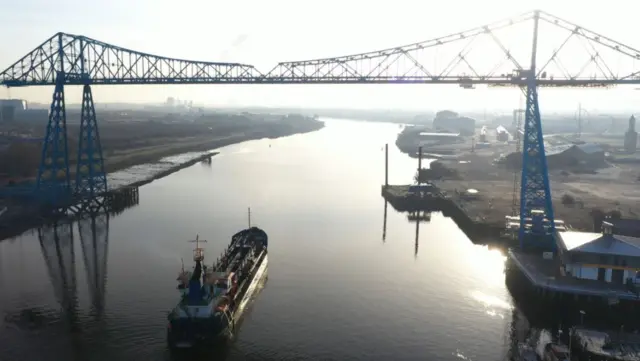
91,180
53,184
537,225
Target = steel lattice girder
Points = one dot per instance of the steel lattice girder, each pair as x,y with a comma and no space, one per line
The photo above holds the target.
83,60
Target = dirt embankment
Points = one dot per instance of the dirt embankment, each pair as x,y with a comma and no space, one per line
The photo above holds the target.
576,197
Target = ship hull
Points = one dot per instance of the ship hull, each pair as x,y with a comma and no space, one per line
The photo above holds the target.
189,333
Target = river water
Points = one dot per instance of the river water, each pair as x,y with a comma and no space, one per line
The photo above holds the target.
335,290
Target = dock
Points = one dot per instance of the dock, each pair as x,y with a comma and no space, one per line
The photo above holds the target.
474,214
588,273
430,198
609,345
546,277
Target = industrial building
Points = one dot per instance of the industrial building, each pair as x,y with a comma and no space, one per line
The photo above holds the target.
587,154
631,136
463,125
9,108
18,110
453,122
566,156
604,257
626,226
502,134
440,137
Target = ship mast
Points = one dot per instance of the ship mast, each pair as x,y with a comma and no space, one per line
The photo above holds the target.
198,253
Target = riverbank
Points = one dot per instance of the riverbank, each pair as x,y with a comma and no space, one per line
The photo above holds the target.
119,160
18,217
480,194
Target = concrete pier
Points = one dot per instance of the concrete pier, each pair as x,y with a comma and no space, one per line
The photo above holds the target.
428,197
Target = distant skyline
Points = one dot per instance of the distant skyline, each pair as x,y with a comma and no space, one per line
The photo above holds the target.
479,113
264,33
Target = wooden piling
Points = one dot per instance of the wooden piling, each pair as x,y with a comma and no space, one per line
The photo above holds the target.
386,165
419,163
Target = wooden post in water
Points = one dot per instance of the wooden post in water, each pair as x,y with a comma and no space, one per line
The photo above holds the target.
384,222
419,163
386,165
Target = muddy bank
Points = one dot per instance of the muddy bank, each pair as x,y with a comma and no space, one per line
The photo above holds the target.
137,156
172,169
141,166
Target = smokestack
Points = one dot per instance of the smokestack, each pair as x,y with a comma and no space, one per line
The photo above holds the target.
632,124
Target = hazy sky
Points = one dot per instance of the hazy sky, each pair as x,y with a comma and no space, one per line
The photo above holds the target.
265,32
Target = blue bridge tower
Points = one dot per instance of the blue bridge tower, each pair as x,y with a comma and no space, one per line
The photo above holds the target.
537,224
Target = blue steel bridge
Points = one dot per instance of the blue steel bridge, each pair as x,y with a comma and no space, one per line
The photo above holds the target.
544,54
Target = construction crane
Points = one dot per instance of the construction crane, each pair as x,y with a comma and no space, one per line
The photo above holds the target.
578,117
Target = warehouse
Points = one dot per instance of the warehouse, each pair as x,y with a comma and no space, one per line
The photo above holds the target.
566,156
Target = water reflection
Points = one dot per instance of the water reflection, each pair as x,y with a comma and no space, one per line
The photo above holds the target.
417,217
329,298
56,244
54,325
94,237
486,264
384,222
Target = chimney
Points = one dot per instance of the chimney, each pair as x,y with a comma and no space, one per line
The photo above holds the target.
607,228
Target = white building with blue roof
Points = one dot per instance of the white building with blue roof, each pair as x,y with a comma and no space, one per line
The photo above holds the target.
604,257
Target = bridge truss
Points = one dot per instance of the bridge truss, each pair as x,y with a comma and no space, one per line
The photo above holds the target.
527,51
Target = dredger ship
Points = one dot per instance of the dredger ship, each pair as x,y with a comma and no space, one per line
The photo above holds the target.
213,298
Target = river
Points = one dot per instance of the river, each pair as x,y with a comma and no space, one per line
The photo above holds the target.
335,290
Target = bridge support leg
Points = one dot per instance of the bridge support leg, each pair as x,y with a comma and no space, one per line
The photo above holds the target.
537,227
91,180
53,185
